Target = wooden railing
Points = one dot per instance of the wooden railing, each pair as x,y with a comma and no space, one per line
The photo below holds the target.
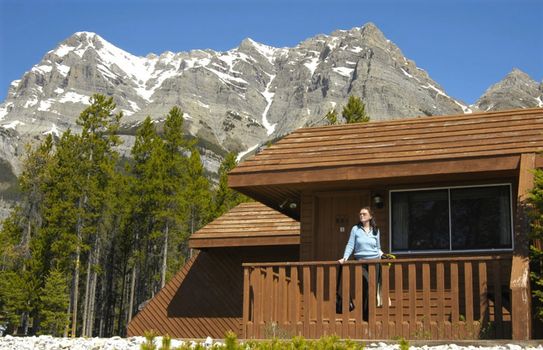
432,298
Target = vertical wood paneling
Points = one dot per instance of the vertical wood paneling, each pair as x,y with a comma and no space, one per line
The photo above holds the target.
439,300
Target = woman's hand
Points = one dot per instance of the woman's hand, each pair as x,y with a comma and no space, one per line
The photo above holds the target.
341,261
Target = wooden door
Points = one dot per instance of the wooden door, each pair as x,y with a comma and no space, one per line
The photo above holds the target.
335,215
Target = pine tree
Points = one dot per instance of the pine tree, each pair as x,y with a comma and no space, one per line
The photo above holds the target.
176,181
226,198
536,248
54,299
331,117
355,111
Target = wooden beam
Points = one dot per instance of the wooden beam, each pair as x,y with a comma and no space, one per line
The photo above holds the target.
198,243
520,282
375,171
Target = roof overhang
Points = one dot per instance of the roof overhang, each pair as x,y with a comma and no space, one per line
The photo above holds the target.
278,189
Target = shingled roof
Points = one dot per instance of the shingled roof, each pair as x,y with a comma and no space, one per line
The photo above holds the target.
387,149
248,224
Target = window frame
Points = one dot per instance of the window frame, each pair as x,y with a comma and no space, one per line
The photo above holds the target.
450,250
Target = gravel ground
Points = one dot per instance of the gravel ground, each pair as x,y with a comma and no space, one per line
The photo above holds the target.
117,343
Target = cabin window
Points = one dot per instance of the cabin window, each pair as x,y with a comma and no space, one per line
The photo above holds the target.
451,219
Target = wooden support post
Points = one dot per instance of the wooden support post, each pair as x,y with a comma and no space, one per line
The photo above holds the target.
520,283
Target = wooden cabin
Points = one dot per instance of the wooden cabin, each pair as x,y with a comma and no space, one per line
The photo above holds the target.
449,195
205,297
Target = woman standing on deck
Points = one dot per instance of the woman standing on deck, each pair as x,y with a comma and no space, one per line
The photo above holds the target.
365,243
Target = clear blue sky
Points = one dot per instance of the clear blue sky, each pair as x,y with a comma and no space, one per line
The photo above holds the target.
464,45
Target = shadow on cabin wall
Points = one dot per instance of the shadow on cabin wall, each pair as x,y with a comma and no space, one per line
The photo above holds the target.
213,287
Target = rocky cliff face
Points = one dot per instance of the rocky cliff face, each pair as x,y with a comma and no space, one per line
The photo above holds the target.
234,100
516,90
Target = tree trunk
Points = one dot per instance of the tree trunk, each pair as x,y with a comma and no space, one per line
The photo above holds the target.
79,229
164,257
132,290
92,299
75,295
86,300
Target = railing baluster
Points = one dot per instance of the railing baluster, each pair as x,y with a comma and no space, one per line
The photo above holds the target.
320,298
282,298
483,295
294,299
306,271
372,296
455,306
498,316
426,297
358,301
345,294
332,277
385,287
412,299
468,292
246,300
398,292
440,284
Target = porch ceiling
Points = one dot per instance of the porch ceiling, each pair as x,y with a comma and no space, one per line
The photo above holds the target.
388,152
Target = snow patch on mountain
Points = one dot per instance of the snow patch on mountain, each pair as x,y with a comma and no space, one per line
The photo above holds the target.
13,124
74,97
344,71
54,130
249,150
268,95
312,64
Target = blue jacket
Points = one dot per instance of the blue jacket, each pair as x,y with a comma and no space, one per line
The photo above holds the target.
366,245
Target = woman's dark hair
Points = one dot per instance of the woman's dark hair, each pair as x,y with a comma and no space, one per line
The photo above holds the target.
373,224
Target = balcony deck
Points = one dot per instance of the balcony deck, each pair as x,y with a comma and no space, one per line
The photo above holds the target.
428,298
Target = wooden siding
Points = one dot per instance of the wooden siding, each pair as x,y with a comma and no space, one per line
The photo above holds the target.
248,224
205,297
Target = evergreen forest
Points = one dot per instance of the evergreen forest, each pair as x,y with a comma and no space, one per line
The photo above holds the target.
96,235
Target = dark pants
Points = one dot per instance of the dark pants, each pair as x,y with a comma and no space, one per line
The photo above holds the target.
365,287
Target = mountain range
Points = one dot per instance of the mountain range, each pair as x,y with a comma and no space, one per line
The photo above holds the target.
233,101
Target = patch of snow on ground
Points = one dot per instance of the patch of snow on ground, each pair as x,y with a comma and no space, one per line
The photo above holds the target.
15,83
269,99
64,70
59,91
267,51
54,130
438,91
228,79
202,104
407,74
539,102
4,110
134,106
12,125
44,106
42,69
465,108
344,71
312,64
63,50
249,150
74,97
356,49
31,103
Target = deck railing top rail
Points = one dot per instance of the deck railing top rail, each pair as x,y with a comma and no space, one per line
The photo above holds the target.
369,261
